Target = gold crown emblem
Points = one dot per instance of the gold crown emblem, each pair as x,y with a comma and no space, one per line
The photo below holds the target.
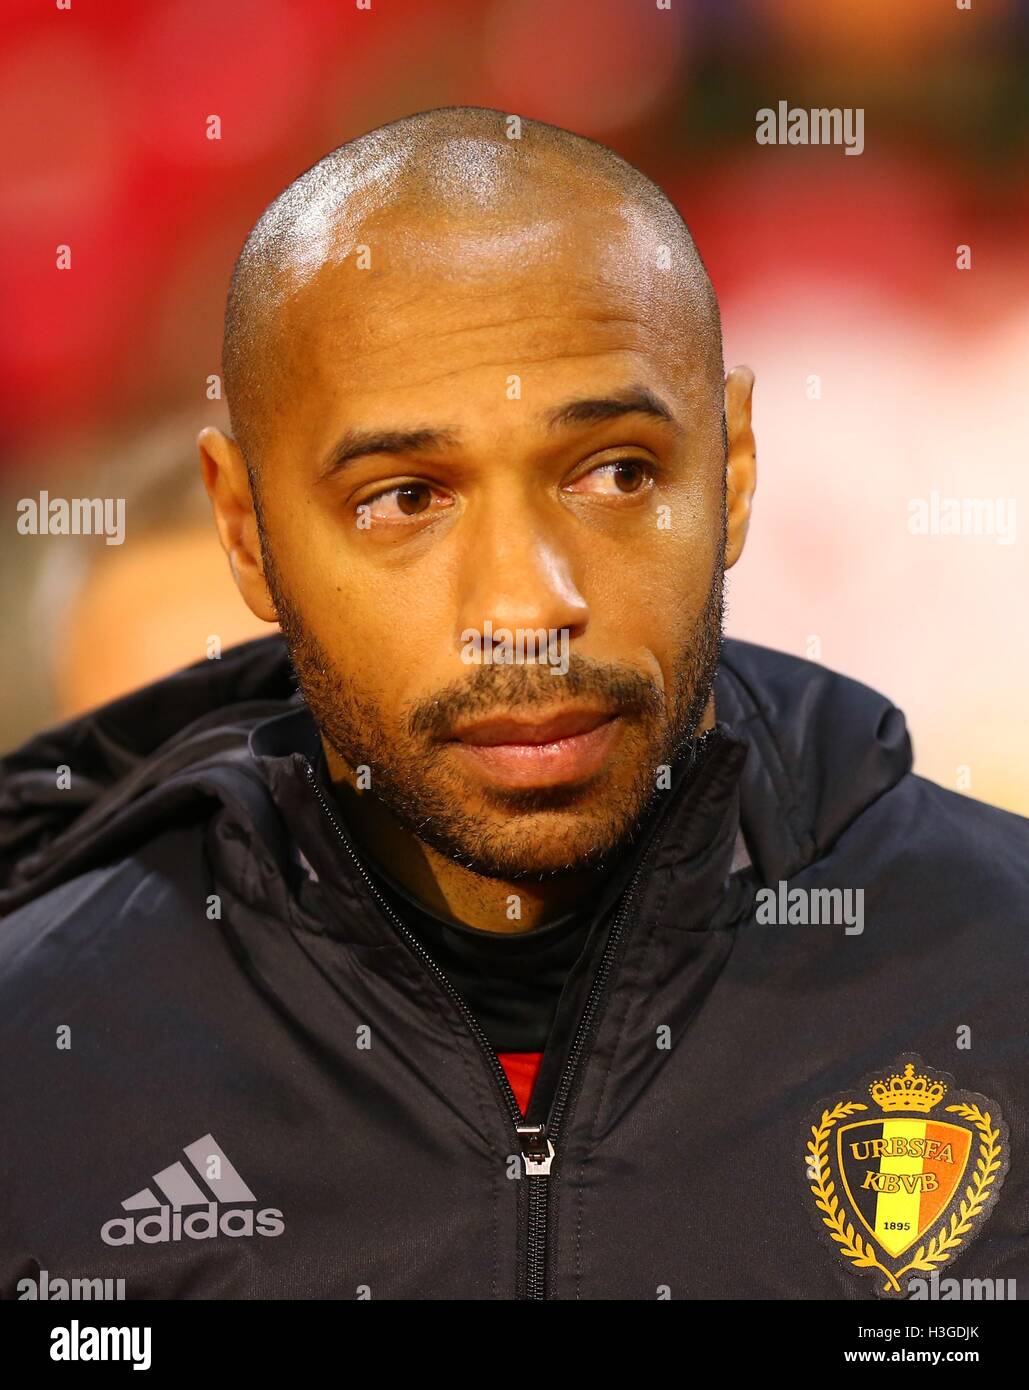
907,1092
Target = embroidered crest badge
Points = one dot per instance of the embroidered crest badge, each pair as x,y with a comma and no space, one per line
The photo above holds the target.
904,1171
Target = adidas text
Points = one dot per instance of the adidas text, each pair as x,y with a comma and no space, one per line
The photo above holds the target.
168,1225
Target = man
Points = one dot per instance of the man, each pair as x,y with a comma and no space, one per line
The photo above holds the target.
541,947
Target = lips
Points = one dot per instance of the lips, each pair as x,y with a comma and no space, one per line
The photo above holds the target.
497,732
566,747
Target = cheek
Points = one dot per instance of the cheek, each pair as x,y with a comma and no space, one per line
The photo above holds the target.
651,596
657,579
388,629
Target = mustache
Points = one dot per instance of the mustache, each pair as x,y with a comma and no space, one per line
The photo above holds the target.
620,689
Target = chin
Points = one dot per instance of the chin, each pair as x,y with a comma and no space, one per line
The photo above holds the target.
549,846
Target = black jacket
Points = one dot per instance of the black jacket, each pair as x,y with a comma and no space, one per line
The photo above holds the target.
228,1073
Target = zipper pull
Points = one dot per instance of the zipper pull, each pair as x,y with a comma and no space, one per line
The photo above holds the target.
537,1150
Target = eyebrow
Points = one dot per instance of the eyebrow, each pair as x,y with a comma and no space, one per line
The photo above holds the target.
353,444
359,443
635,400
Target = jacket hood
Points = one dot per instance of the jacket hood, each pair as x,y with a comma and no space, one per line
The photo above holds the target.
820,749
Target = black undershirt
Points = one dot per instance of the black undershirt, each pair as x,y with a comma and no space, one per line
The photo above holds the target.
511,981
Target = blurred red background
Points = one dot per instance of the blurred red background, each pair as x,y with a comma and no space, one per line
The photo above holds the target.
884,372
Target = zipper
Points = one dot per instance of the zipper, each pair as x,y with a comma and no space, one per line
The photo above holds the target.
536,1143
473,1023
536,1248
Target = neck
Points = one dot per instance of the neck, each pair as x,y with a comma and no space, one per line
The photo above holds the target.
448,888
497,905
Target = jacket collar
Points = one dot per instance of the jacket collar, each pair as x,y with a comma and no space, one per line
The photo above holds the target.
678,866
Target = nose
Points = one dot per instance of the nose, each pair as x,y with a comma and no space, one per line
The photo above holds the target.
517,573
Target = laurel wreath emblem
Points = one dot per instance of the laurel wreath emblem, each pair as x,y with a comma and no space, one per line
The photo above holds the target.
861,1252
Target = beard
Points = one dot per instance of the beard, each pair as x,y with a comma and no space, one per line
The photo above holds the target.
513,834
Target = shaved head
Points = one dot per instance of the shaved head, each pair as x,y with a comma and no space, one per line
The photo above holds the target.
407,190
474,370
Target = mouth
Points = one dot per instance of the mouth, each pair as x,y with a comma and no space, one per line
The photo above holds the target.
546,752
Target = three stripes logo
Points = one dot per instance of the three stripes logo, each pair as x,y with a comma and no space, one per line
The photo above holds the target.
231,1213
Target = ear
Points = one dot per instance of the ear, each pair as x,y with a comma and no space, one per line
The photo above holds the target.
228,486
741,464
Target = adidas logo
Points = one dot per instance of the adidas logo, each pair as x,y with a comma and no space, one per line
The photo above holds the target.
181,1189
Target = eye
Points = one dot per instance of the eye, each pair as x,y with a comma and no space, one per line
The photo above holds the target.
624,477
411,499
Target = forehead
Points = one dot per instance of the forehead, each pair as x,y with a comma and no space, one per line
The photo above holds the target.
409,298
424,313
